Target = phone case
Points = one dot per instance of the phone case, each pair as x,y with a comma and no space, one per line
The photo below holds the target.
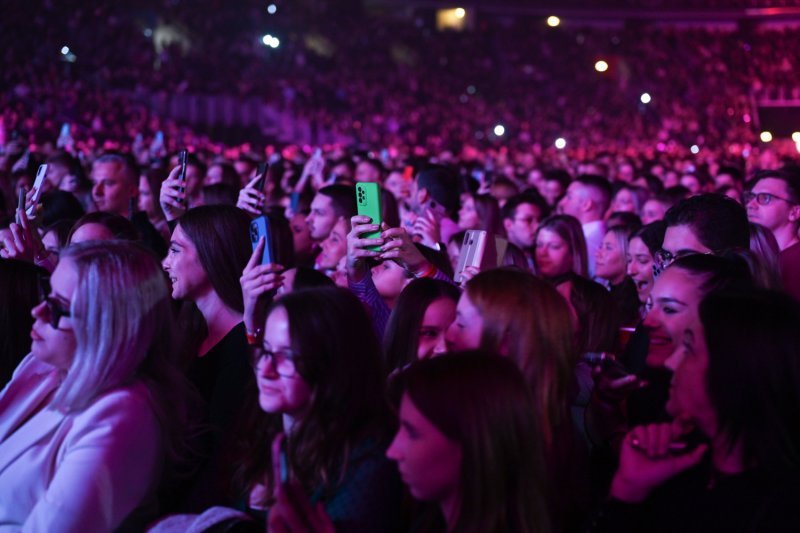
259,227
479,249
37,190
182,157
368,200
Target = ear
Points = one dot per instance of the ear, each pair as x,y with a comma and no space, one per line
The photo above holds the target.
794,213
507,223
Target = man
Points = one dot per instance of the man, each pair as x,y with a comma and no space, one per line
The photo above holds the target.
369,170
329,205
436,189
115,189
774,202
521,215
587,199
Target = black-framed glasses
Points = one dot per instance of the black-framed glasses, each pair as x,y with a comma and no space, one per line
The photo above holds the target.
665,258
283,361
764,198
56,310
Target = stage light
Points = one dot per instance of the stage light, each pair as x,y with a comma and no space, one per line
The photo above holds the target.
561,143
272,42
796,136
272,9
499,130
765,137
64,50
553,21
601,66
460,13
645,98
694,149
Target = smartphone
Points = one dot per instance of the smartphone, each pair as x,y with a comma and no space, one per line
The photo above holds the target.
294,201
183,155
479,249
283,462
37,190
20,203
368,200
263,168
259,227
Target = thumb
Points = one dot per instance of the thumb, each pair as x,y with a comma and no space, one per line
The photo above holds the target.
688,460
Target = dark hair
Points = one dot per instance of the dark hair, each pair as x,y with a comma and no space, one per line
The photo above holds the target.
343,200
753,375
718,222
488,211
401,339
308,278
128,168
718,272
600,185
229,176
732,171
787,176
62,230
20,292
483,403
441,182
630,221
221,234
599,318
652,235
220,194
59,205
529,196
118,225
569,230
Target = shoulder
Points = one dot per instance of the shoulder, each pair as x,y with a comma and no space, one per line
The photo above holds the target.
125,410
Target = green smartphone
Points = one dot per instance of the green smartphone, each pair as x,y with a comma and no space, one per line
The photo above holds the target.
368,200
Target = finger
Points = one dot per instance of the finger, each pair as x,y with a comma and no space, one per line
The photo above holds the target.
651,445
252,183
173,174
664,439
19,238
360,219
688,460
622,382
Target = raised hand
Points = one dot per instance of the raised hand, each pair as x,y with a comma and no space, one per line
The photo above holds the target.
171,198
356,246
251,199
256,281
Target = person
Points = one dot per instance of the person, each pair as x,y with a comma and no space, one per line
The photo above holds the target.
469,444
149,185
480,211
328,423
560,248
419,321
102,226
97,407
763,258
745,473
208,252
628,199
642,248
521,215
611,264
774,202
330,204
435,190
20,291
587,199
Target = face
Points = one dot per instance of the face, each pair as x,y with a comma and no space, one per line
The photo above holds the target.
682,240
777,213
610,262
467,215
189,280
522,228
145,196
553,256
322,218
289,395
552,191
69,183
301,234
675,299
465,332
50,241
623,202
428,461
396,185
573,201
438,317
56,346
213,176
692,183
334,247
688,395
640,267
652,210
389,279
111,191
91,232
366,172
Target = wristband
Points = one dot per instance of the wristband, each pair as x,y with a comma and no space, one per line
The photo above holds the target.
253,336
427,272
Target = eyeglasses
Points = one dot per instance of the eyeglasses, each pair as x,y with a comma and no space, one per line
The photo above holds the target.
665,258
55,309
764,198
282,360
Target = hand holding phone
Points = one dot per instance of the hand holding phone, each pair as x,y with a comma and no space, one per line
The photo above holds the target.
368,202
36,191
183,157
171,197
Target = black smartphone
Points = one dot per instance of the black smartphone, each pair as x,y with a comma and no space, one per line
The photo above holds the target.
183,156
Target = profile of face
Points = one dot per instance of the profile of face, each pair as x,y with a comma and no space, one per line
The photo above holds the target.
111,190
437,319
640,267
390,280
213,175
681,240
778,212
366,172
322,217
521,229
465,331
428,461
56,344
552,191
610,261
281,389
553,256
194,181
623,202
70,183
334,247
182,264
301,234
399,187
688,395
92,231
467,215
573,201
146,201
653,210
675,300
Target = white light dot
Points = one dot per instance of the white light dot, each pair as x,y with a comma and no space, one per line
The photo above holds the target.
694,149
561,143
645,98
796,136
553,21
267,39
765,136
460,13
64,50
275,42
601,66
272,9
499,130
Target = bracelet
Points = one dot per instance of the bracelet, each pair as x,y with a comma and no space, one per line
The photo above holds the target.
253,336
428,272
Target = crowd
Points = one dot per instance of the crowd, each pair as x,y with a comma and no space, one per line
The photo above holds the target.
222,340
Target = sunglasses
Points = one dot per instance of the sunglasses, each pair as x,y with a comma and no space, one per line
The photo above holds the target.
55,309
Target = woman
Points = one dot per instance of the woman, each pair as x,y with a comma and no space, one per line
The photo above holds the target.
419,322
91,413
642,248
746,475
468,442
208,252
611,268
102,226
480,211
327,424
20,291
560,248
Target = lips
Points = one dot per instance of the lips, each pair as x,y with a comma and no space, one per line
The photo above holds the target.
35,336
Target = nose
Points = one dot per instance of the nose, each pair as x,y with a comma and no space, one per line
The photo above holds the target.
653,319
393,451
40,311
97,190
441,343
165,264
633,270
265,368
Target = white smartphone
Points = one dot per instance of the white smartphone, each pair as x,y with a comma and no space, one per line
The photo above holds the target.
37,191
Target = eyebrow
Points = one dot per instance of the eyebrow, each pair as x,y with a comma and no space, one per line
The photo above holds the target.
670,300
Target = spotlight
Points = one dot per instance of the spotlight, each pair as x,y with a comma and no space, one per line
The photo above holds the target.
553,21
499,130
272,9
601,66
766,136
561,143
796,136
64,50
645,98
460,13
694,149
